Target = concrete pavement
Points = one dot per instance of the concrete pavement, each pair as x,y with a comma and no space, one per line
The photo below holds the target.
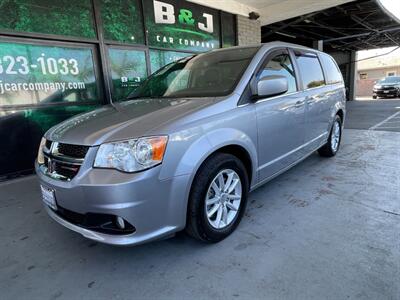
326,229
367,113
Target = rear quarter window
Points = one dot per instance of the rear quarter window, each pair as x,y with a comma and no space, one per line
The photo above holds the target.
310,68
333,74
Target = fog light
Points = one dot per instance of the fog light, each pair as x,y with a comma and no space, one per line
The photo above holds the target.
120,223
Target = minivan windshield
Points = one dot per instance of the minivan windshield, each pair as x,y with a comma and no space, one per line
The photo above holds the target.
391,79
204,75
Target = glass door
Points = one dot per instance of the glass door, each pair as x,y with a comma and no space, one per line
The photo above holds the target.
128,68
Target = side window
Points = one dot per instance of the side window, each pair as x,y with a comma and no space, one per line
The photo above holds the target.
281,65
310,68
332,71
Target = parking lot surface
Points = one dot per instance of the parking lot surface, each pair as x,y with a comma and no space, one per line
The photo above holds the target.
378,114
326,229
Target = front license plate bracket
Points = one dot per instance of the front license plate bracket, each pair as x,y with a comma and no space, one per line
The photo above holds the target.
48,197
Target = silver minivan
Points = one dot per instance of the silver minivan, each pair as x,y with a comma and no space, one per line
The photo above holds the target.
188,145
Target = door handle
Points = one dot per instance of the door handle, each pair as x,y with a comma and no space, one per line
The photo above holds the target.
299,103
311,99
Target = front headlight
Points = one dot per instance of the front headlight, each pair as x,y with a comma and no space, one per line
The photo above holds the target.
132,155
40,156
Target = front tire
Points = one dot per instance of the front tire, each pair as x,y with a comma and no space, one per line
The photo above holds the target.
335,137
218,198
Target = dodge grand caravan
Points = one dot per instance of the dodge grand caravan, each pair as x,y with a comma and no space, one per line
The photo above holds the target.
189,144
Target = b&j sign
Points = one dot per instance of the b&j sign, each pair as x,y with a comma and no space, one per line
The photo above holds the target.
181,25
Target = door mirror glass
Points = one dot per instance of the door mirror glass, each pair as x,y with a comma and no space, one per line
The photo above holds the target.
273,85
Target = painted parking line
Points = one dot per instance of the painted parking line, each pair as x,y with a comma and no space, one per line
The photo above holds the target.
384,121
386,127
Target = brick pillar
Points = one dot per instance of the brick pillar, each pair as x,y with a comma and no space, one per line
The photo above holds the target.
249,31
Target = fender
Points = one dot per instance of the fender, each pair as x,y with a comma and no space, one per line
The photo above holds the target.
335,108
205,144
229,136
218,139
202,146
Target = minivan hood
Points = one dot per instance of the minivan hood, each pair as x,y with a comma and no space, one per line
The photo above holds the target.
124,120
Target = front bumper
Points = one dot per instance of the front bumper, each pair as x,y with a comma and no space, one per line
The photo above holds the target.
120,240
385,92
156,208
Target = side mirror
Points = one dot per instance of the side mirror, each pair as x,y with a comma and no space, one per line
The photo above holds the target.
273,85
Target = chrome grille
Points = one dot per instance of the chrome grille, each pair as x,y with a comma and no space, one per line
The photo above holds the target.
63,161
75,151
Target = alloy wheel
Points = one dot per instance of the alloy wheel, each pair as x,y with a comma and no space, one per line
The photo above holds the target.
223,199
335,137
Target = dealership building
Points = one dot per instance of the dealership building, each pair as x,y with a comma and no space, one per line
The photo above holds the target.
61,58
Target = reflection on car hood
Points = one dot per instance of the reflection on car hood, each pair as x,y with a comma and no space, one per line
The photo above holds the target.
124,120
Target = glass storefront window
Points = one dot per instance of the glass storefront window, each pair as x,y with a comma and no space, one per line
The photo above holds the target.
22,129
36,74
228,30
45,82
122,21
70,18
128,70
159,58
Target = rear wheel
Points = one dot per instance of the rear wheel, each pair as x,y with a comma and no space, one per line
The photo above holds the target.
218,198
332,146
